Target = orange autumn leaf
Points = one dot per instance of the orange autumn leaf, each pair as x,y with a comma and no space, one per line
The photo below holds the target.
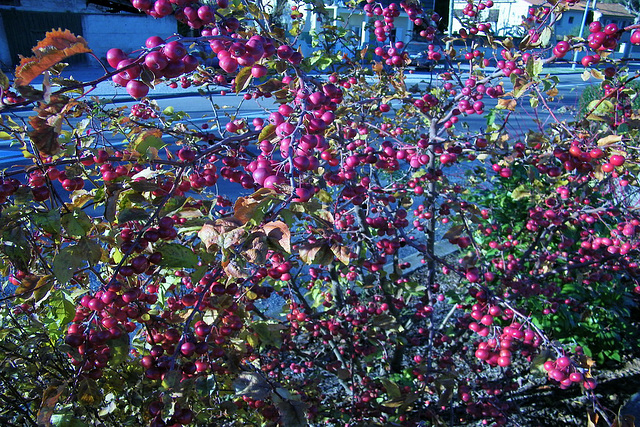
60,40
55,47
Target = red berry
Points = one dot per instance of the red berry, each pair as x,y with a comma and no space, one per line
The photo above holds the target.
115,56
137,89
617,160
174,50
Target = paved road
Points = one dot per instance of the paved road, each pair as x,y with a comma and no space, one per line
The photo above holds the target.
200,108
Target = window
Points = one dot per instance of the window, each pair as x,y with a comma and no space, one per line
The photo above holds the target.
571,18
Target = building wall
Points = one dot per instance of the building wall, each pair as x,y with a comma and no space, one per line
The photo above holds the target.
102,31
55,6
127,32
569,24
505,16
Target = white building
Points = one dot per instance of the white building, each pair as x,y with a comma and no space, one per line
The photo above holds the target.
24,22
506,16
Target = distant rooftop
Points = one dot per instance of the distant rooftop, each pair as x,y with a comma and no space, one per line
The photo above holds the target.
607,9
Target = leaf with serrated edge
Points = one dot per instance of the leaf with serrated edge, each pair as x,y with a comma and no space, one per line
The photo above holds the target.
66,263
55,47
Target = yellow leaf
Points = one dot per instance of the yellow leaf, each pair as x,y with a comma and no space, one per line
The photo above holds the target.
609,140
507,104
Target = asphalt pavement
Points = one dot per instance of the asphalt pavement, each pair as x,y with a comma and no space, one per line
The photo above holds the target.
117,93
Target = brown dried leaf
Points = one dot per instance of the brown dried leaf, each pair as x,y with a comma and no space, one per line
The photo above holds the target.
257,252
27,285
552,92
278,233
50,398
309,251
61,40
233,269
624,420
507,104
217,233
454,232
245,208
609,140
44,136
341,252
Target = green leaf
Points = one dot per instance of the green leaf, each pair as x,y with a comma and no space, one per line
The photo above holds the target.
243,78
16,247
520,192
132,214
292,411
76,223
268,333
6,136
534,101
175,255
252,384
67,420
600,107
534,66
148,139
545,37
48,221
171,380
88,392
66,263
119,349
392,389
91,249
173,205
62,308
267,133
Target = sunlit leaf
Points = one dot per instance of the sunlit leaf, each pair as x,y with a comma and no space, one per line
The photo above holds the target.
76,223
175,255
243,78
278,233
342,253
55,47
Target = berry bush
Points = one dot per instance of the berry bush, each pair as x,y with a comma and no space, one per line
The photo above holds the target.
167,271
